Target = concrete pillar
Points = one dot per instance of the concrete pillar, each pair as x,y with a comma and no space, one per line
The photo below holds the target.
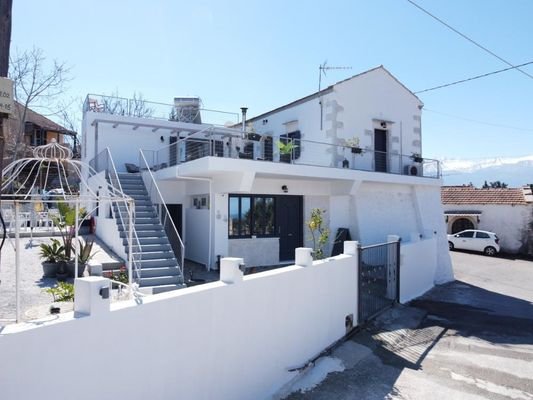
230,271
95,268
303,256
92,296
350,247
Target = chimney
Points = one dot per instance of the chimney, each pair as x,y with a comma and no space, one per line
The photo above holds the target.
244,109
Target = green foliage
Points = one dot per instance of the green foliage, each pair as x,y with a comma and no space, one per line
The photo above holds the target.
495,185
120,276
53,252
319,233
66,223
84,252
63,291
286,148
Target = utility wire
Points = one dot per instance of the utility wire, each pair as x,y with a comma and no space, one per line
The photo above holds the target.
474,77
480,122
467,38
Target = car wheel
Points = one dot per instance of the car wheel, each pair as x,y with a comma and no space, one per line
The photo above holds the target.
489,251
450,245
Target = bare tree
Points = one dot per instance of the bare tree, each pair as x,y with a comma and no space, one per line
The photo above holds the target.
36,86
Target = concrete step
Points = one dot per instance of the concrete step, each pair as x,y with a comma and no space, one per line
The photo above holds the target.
156,255
145,234
141,227
149,241
160,271
159,280
158,263
153,248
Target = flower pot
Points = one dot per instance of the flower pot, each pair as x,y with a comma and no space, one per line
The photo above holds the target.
49,269
62,271
71,269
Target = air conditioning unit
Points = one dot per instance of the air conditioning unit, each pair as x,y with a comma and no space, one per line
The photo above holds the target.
412,169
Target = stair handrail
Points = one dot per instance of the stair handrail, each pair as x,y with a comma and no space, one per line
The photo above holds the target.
134,261
144,167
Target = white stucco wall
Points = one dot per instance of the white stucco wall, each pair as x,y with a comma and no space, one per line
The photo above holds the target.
354,108
418,266
509,222
215,341
197,238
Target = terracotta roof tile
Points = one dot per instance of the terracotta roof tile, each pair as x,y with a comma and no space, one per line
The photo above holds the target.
471,195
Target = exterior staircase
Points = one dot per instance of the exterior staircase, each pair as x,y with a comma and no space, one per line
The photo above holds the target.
159,269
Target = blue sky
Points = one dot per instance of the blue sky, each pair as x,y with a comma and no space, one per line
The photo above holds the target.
265,54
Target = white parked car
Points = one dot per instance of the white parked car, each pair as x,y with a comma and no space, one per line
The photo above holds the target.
486,242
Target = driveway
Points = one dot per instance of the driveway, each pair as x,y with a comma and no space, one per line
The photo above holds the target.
469,339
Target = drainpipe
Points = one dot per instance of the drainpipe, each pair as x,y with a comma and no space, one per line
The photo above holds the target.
211,213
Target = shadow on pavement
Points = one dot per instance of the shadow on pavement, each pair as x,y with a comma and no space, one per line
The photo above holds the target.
402,337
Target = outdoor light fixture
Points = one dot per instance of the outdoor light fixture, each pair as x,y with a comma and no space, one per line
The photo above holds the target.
162,139
285,188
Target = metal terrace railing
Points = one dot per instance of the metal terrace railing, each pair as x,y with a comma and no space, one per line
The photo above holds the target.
125,213
163,214
212,142
138,107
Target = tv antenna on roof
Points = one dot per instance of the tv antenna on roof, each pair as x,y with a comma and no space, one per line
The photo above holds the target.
322,68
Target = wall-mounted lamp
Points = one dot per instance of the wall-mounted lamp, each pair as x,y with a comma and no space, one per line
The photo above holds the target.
162,139
284,188
478,219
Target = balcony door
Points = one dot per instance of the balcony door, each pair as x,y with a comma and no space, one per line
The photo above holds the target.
380,150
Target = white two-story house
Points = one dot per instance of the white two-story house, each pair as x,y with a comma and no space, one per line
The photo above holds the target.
353,150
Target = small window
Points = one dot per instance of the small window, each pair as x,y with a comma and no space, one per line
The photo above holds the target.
467,234
251,215
482,235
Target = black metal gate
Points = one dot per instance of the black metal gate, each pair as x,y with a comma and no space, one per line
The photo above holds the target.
379,278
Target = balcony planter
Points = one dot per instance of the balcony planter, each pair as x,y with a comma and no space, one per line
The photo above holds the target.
356,150
417,158
254,136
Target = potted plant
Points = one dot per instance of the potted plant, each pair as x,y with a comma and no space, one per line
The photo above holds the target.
353,144
84,256
417,158
52,254
319,232
286,150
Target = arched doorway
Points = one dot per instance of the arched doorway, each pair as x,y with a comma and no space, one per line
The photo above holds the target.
461,224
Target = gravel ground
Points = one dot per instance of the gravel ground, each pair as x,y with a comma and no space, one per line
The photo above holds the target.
32,284
34,301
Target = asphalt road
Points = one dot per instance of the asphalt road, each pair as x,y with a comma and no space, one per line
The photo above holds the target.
469,339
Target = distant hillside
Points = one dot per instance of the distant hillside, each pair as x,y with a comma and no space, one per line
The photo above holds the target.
513,171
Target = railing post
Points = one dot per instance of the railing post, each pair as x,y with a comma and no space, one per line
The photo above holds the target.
130,242
17,262
76,247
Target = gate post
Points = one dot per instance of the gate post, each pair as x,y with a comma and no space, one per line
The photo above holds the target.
393,272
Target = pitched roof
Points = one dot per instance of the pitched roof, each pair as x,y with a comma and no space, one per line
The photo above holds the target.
37,119
471,195
328,90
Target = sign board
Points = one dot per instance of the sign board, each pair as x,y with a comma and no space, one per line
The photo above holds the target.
7,105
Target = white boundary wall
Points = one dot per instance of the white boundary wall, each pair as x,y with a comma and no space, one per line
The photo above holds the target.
418,266
214,341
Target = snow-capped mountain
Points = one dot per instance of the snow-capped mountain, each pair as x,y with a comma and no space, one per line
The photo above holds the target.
515,171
